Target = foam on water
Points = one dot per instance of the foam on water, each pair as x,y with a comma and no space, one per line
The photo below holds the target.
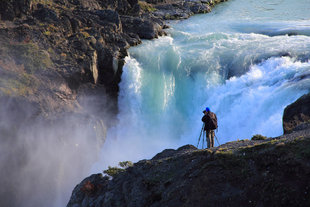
254,103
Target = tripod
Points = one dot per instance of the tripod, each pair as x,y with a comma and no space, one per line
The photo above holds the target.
203,135
217,139
201,132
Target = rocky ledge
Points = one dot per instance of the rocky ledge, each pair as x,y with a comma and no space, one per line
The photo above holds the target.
257,172
271,172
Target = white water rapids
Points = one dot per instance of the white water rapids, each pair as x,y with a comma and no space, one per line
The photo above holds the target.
246,60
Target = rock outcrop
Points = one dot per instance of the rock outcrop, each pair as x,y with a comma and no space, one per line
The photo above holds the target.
271,172
297,115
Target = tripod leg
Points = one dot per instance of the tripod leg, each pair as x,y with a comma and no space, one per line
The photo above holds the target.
198,142
217,140
203,138
199,138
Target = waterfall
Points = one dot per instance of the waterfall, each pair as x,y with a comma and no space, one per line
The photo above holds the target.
247,60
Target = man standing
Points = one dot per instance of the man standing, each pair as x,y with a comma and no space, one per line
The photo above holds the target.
210,122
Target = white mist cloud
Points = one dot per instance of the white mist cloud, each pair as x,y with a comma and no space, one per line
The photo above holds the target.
42,160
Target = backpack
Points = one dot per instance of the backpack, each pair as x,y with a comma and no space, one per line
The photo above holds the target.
212,121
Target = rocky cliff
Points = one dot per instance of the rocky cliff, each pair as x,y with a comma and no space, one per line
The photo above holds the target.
258,172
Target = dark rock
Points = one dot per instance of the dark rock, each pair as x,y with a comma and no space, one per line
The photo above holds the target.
121,6
145,29
187,148
88,188
262,173
133,39
199,8
10,9
297,114
156,1
133,2
45,14
163,154
75,25
171,152
109,16
67,23
173,11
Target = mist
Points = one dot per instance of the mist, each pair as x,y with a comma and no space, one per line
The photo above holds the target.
43,158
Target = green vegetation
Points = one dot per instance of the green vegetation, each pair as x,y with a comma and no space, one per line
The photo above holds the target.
47,33
44,2
257,148
30,55
146,6
221,152
85,34
258,137
22,85
50,29
125,164
112,171
20,61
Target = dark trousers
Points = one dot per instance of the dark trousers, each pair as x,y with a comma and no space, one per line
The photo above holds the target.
210,138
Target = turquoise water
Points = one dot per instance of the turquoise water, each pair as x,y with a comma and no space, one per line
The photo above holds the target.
246,60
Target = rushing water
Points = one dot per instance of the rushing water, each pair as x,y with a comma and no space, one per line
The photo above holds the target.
246,60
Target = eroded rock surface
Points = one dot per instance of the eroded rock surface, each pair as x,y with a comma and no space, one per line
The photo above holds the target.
297,115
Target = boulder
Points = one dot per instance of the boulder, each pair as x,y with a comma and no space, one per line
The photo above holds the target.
297,115
121,6
109,16
145,28
45,14
199,8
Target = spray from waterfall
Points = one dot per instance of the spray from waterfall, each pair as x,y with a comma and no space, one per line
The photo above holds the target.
43,158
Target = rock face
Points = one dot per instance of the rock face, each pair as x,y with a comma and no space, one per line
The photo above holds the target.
11,9
297,115
271,172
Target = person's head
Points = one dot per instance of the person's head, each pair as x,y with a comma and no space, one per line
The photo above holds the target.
206,111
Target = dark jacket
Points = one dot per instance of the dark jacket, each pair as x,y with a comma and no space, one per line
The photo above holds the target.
207,119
